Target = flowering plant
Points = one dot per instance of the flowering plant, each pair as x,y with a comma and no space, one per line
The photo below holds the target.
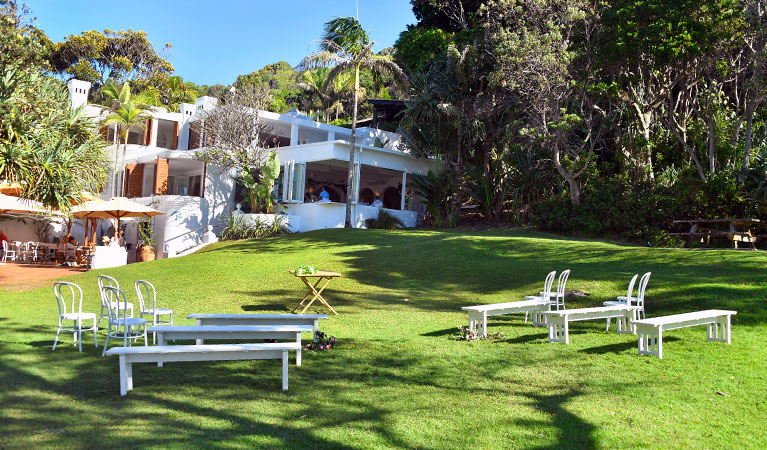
324,342
467,334
306,270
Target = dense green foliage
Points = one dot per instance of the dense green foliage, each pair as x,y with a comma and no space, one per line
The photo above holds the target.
51,149
397,378
633,102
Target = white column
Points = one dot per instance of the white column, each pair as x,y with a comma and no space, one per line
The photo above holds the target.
331,135
154,127
404,186
293,134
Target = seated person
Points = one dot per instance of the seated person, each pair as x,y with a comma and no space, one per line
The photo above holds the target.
71,249
377,203
3,237
324,195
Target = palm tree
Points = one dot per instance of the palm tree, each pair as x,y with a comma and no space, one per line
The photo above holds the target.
346,46
313,82
126,112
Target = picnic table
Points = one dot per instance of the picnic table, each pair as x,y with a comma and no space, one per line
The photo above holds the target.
704,230
315,293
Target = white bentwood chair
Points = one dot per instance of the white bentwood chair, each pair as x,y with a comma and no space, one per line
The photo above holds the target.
628,300
147,300
77,316
104,282
126,328
545,295
7,253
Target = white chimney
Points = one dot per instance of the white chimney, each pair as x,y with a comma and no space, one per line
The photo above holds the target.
187,111
78,92
205,103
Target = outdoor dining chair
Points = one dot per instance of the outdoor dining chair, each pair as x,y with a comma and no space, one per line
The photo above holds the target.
561,284
147,300
104,282
7,253
28,252
629,299
65,293
120,325
545,295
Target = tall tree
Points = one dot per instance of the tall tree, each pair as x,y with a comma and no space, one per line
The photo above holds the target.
51,149
121,56
346,46
126,113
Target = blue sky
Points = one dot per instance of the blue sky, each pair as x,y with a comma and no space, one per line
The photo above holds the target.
214,41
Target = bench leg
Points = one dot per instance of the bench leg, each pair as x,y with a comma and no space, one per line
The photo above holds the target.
315,329
558,330
484,324
298,353
285,370
123,376
129,373
472,322
162,342
720,330
650,341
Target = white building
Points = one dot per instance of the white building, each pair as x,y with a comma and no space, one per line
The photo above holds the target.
162,171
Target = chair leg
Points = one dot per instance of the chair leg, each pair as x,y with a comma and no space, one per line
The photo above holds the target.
106,344
145,337
95,334
55,341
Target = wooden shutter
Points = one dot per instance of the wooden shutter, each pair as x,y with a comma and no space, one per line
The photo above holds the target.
135,186
126,179
175,136
148,132
161,176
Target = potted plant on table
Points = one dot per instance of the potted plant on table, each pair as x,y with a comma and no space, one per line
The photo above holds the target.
146,246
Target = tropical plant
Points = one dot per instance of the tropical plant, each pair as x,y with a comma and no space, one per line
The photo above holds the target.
146,233
126,112
48,147
437,188
385,221
237,226
346,46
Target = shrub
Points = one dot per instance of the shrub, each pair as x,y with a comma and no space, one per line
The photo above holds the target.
236,227
385,221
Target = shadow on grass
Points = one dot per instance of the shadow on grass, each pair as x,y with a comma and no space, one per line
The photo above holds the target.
190,404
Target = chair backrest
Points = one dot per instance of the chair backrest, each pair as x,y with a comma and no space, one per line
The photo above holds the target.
29,246
641,289
106,281
114,296
547,284
561,283
630,293
5,245
145,291
60,289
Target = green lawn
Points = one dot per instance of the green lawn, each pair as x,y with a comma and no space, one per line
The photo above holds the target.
397,379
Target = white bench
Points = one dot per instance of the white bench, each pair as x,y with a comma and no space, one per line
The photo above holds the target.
167,333
559,329
176,353
260,319
478,314
650,331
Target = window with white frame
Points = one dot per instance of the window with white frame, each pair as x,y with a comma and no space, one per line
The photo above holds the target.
293,182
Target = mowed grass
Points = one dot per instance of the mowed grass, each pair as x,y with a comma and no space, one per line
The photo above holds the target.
397,379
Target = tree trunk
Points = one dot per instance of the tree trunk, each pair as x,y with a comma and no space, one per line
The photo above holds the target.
747,144
459,173
350,177
644,159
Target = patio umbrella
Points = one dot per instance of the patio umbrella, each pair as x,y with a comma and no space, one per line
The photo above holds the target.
117,208
10,204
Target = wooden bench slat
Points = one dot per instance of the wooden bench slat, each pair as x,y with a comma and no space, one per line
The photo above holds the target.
166,349
228,328
684,317
497,306
256,316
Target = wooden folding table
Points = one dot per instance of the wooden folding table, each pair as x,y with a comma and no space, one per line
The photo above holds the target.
315,293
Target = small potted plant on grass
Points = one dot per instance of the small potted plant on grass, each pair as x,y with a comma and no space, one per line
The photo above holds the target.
146,246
